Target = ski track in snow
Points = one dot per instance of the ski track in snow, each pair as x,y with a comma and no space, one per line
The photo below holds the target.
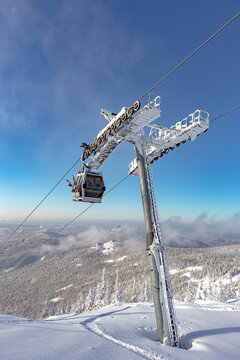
136,349
205,334
91,325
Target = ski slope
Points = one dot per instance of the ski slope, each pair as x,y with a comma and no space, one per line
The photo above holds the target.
128,331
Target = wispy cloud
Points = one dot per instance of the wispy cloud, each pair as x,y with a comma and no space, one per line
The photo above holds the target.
56,71
88,237
202,231
130,235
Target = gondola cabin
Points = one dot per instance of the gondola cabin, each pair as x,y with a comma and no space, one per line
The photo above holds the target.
88,186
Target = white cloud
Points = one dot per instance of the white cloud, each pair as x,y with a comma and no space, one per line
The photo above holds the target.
130,235
202,231
88,237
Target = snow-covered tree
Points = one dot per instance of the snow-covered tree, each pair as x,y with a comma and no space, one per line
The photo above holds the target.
48,309
118,295
221,291
104,289
231,293
61,311
98,297
189,288
90,300
104,282
143,292
78,306
102,294
107,296
146,296
134,292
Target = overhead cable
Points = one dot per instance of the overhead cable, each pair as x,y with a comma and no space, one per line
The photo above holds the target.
70,222
112,188
54,187
225,113
176,67
189,56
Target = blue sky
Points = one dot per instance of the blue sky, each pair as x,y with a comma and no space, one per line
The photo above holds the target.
61,61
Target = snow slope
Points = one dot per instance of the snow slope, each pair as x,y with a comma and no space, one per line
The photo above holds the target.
208,330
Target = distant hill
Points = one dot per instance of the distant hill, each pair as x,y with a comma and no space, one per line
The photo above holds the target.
47,272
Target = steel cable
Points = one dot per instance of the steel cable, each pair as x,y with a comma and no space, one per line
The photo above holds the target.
70,222
217,117
227,112
54,187
189,56
176,67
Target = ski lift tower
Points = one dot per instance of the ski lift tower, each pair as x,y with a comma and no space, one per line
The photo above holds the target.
151,142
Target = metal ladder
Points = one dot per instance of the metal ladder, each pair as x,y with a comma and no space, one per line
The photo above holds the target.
169,318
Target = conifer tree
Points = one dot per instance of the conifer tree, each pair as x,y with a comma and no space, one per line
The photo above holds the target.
231,293
79,305
107,297
90,300
61,311
146,297
104,296
104,282
48,309
134,292
141,292
98,297
118,295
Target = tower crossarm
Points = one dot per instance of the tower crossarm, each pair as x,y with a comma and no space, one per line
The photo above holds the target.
160,140
121,127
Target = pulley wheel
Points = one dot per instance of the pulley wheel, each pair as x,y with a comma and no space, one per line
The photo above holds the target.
113,127
136,105
108,132
124,117
130,111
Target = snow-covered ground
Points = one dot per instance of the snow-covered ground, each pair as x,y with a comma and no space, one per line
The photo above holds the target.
208,331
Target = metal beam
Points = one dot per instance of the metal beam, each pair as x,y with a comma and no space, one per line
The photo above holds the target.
147,209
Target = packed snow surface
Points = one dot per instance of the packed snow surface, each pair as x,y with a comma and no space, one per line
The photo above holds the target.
109,247
187,269
207,331
106,248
